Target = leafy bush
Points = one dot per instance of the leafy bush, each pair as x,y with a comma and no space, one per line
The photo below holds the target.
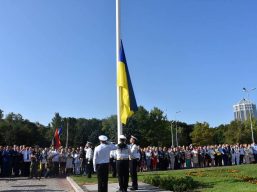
153,180
172,183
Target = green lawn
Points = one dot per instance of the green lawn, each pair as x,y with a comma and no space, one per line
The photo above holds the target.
216,179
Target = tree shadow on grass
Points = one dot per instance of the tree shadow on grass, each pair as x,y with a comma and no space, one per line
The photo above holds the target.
212,184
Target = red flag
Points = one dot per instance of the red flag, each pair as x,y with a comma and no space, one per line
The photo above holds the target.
57,141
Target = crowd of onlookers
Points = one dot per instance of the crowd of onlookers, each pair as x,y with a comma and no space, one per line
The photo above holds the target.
49,162
41,162
163,158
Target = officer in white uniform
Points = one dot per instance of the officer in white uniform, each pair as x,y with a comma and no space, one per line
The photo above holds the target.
89,159
123,152
133,161
101,162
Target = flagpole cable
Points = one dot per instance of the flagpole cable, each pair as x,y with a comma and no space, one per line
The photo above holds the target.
119,124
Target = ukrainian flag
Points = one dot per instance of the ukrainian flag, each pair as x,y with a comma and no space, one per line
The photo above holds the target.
128,104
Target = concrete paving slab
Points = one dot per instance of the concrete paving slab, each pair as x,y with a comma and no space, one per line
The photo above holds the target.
113,187
22,184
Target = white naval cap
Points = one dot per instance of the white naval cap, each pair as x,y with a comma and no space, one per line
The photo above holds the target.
133,137
103,138
122,137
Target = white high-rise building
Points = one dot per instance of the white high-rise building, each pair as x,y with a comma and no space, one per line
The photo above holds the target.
243,109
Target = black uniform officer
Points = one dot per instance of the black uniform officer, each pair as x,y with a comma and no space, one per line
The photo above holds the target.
122,163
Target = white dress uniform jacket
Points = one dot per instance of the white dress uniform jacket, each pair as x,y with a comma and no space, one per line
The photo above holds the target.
102,154
123,154
89,153
134,152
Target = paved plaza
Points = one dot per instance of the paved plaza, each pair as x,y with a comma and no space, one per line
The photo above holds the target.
113,187
22,184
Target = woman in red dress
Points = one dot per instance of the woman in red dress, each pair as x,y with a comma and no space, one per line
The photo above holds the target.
155,158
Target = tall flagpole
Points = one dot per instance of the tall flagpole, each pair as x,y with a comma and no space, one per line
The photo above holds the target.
119,124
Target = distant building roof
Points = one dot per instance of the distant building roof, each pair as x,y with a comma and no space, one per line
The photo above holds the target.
243,109
244,101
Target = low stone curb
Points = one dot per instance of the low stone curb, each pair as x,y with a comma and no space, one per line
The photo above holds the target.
74,185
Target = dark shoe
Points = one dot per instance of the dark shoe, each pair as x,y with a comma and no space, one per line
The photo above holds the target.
133,188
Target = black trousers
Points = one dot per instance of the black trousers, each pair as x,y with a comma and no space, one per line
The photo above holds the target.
255,158
16,168
56,168
113,165
102,176
123,174
225,159
89,168
133,172
26,169
241,160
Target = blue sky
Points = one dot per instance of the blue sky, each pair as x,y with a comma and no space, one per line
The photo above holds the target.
188,55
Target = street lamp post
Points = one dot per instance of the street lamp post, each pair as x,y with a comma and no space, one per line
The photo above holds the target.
171,132
250,111
177,128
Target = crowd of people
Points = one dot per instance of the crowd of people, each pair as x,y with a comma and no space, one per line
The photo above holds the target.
163,158
49,162
45,162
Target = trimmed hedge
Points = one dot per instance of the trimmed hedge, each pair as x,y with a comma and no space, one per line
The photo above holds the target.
172,183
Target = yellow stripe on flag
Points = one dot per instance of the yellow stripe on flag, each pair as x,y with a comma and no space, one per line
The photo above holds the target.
124,93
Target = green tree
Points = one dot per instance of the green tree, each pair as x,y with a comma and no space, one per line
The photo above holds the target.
57,121
84,128
1,114
237,133
109,127
157,132
139,124
184,132
219,134
248,139
202,134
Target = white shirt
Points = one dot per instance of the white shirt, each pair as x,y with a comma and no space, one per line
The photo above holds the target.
26,155
113,154
211,153
254,147
148,154
76,158
102,154
44,156
241,151
123,153
89,153
236,149
69,160
134,152
55,155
